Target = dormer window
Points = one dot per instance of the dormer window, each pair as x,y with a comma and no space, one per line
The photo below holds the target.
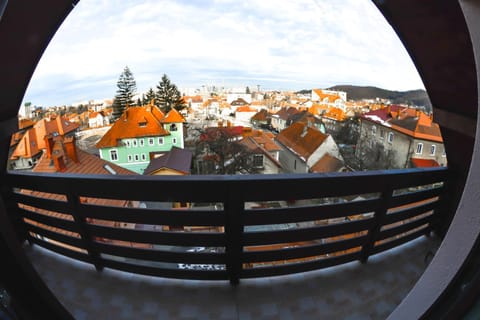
142,124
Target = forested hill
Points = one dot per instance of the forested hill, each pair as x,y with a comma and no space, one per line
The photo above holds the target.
411,97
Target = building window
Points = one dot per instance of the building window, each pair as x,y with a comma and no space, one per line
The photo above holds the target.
129,144
136,157
174,140
433,148
142,142
258,160
129,158
134,143
374,130
444,153
113,155
390,137
151,141
382,133
160,141
419,148
144,157
173,127
295,165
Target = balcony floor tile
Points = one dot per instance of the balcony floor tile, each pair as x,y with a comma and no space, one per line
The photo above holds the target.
352,291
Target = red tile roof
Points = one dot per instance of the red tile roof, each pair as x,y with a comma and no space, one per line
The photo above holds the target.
424,163
327,163
301,139
409,121
87,163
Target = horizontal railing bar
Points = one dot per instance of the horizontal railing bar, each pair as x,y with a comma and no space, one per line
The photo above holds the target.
213,188
161,256
305,234
302,252
51,221
62,250
399,241
299,267
391,232
310,213
72,241
415,197
409,213
165,272
42,203
155,217
158,237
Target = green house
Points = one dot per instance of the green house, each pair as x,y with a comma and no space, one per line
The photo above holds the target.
139,132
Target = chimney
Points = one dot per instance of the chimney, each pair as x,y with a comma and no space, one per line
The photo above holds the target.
388,109
69,143
304,132
59,163
49,145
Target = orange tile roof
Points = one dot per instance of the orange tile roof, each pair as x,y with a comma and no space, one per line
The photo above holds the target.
327,163
173,116
301,139
409,121
87,163
335,114
27,147
58,126
16,137
134,122
331,97
261,115
245,109
25,123
317,109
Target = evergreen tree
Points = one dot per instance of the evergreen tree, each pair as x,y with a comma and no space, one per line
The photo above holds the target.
149,96
247,90
126,90
168,95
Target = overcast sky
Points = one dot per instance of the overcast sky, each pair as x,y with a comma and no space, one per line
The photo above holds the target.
285,44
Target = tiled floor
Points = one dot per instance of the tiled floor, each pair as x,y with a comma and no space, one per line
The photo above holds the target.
351,291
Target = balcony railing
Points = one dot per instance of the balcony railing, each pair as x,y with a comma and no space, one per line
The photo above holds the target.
248,226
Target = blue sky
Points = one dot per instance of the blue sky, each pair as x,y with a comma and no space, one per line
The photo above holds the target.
300,44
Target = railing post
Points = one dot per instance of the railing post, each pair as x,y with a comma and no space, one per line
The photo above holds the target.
378,217
234,208
74,204
13,214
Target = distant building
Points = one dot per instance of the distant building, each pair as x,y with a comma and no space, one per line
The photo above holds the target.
139,132
280,118
400,137
330,98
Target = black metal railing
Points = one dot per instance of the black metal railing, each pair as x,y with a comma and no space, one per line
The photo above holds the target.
225,227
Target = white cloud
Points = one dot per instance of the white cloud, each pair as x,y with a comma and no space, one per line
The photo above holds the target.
310,43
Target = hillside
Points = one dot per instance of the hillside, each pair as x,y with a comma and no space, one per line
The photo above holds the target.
412,97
